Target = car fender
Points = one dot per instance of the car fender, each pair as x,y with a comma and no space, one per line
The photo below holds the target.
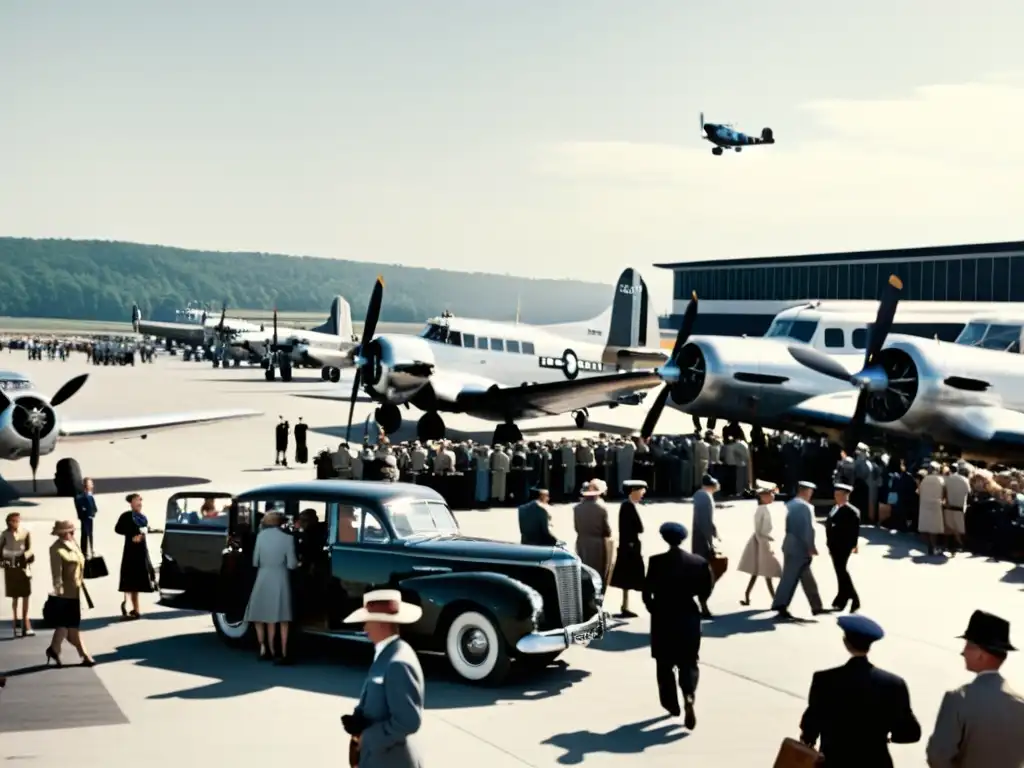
442,596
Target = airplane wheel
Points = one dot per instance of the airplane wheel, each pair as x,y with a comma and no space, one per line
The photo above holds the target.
388,417
286,373
335,375
269,374
67,477
580,418
430,427
325,373
716,151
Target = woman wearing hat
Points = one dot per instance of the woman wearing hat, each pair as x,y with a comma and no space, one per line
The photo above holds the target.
758,559
629,560
270,602
137,573
594,542
17,557
64,611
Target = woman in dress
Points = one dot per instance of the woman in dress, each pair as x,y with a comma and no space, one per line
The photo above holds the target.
758,559
629,562
270,602
16,554
594,543
137,573
67,564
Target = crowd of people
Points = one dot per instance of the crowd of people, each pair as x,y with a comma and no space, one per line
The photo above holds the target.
99,350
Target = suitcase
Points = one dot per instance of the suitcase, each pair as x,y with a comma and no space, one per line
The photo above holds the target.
794,754
95,568
719,565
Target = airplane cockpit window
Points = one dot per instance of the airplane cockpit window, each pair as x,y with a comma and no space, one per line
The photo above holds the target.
454,338
468,340
513,346
972,334
9,385
528,348
441,334
1005,338
799,330
497,345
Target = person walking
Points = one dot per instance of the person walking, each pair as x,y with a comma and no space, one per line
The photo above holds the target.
677,583
281,442
798,551
270,602
17,557
979,724
383,726
64,614
842,535
301,449
535,520
594,542
629,560
758,558
857,709
137,572
85,509
704,530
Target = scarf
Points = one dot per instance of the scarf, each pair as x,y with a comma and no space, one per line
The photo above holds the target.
140,519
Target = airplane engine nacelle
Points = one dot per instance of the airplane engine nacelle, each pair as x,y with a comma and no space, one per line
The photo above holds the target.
17,423
398,367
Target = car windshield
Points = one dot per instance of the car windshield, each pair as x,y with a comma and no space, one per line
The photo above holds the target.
413,518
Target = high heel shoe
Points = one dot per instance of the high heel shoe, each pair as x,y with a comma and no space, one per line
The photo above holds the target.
88,661
51,655
124,609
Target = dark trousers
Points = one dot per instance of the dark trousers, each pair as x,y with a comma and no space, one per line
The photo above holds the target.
679,669
847,591
87,546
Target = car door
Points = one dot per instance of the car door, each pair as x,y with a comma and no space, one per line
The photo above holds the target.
195,531
237,573
362,557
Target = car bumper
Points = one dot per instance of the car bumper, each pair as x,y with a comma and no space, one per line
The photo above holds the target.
555,640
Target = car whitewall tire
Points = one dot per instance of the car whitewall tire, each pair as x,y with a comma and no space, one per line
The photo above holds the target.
232,632
475,649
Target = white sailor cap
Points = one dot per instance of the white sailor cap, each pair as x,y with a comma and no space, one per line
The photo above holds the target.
632,485
843,487
861,447
807,484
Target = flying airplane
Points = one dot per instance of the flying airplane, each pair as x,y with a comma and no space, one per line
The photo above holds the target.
326,348
503,372
30,426
724,136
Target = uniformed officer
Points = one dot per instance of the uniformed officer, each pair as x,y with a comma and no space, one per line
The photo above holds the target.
676,581
798,551
857,709
628,573
842,531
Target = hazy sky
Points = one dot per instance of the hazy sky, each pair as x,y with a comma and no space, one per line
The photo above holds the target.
553,139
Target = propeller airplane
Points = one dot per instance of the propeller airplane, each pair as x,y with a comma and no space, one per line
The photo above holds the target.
724,136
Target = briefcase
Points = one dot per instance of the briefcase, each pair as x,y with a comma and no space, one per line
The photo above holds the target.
795,754
719,565
353,752
95,568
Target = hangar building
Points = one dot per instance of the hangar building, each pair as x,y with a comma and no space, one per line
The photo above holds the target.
742,296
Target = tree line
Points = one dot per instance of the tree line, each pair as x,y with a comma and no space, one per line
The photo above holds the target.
99,280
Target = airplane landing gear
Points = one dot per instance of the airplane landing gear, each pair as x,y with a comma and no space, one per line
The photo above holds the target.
286,369
739,149
270,373
330,373
389,418
507,433
430,427
580,417
716,151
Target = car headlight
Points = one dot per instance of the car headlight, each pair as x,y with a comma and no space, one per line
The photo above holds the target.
536,603
595,577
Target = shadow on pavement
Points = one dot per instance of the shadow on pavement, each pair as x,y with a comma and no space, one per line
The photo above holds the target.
629,739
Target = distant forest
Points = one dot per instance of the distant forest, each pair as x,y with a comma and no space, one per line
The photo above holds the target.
96,280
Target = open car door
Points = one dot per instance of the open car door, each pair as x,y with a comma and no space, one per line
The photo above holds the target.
195,531
237,573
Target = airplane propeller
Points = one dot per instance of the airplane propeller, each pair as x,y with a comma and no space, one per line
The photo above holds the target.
870,379
369,329
32,421
669,372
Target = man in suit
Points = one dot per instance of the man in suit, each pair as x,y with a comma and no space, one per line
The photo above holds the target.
798,550
281,442
676,582
535,520
842,532
857,709
390,709
979,724
85,507
704,531
958,489
417,458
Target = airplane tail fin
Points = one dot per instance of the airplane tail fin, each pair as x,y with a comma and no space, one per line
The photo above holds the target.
339,322
633,328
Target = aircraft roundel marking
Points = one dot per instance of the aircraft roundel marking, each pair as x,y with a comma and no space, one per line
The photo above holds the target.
570,364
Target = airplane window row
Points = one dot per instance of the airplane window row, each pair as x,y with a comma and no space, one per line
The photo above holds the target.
835,338
444,335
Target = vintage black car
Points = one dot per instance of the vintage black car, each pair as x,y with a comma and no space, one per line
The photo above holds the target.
485,603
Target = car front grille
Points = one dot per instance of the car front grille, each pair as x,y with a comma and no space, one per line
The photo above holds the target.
570,594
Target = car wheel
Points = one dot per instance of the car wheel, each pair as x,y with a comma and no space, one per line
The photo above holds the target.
232,632
476,650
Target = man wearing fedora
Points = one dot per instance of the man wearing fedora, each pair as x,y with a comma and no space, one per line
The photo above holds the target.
857,709
390,708
980,723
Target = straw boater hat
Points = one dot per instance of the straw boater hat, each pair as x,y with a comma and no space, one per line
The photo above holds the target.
595,487
61,527
385,605
762,486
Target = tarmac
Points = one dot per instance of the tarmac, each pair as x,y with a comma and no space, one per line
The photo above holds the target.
167,692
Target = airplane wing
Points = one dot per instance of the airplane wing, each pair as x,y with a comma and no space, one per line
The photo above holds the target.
985,424
122,428
832,411
553,398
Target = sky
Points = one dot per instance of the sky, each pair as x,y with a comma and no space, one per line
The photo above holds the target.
546,139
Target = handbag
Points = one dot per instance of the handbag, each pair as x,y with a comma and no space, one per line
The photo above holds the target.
48,610
353,752
719,565
95,568
795,754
